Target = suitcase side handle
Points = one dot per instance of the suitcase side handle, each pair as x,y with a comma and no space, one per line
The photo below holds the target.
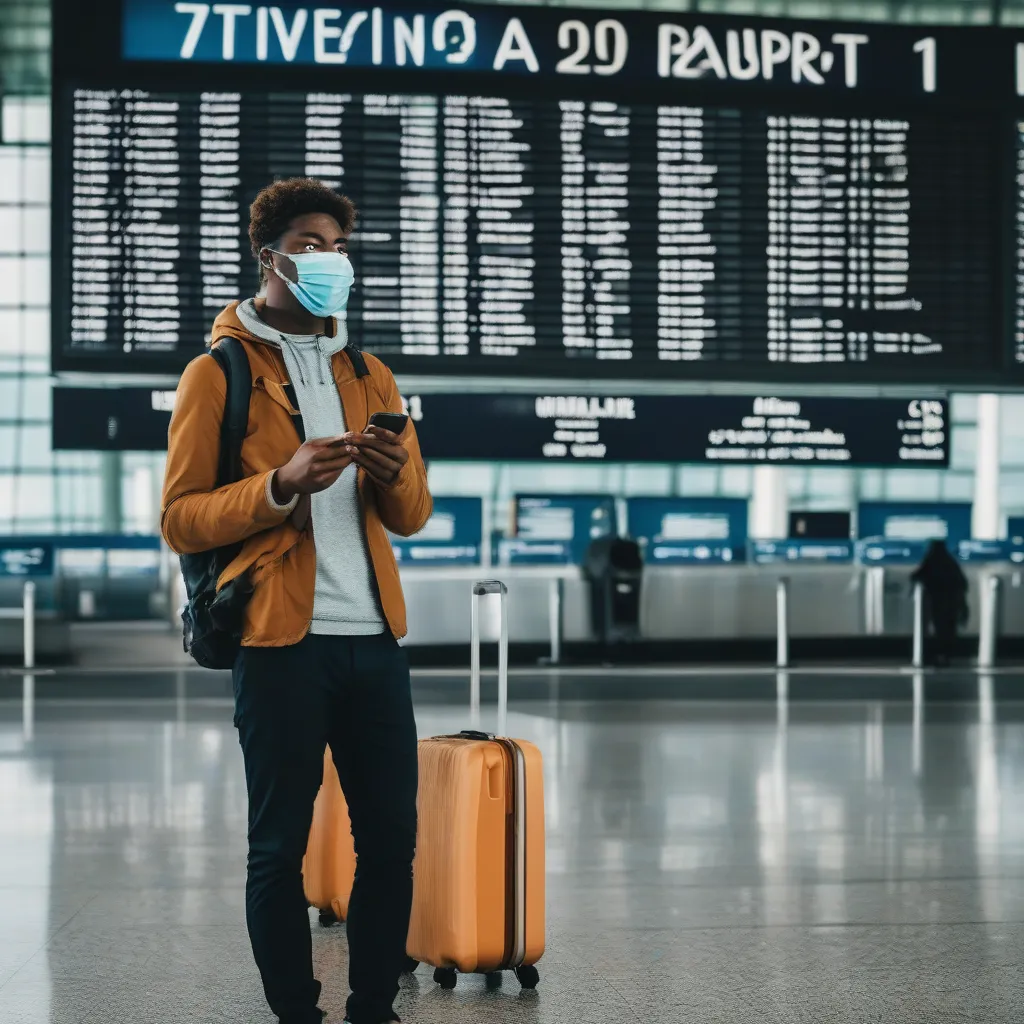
481,589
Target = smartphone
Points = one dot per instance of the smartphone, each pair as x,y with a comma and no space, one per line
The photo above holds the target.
393,421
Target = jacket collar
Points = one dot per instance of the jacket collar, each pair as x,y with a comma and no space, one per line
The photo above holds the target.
229,325
333,339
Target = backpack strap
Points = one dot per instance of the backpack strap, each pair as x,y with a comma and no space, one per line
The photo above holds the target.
292,396
234,361
358,361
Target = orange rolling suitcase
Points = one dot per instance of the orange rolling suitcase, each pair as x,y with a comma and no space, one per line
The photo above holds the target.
330,862
478,895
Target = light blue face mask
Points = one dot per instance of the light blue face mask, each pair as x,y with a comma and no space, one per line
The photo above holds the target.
325,280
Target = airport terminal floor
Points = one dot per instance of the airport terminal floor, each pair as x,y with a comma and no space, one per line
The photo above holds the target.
763,859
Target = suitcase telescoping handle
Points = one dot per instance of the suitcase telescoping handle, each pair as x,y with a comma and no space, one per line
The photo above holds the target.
488,588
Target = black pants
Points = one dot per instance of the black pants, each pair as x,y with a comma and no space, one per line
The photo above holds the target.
353,693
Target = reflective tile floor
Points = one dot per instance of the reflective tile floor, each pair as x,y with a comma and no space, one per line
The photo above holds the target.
709,861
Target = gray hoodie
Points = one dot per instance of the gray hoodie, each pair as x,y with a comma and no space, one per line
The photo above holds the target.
345,599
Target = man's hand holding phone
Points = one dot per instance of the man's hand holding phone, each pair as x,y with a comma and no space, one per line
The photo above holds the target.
314,467
379,449
319,462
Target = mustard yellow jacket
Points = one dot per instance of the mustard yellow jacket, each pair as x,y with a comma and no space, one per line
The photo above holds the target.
279,556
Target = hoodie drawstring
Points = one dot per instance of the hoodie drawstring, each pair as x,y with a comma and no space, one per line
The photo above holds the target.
298,363
320,361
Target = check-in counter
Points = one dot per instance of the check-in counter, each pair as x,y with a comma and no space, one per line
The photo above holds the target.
703,580
897,615
1011,602
700,603
738,601
438,601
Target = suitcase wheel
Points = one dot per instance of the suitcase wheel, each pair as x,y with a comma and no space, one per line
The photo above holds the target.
327,918
446,977
493,980
410,965
528,977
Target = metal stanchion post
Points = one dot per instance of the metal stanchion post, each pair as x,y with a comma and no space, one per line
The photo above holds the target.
556,588
917,659
782,698
917,726
987,632
874,600
29,623
782,623
28,707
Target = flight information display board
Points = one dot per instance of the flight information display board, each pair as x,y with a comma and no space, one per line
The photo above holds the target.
129,419
586,428
786,217
684,428
1018,325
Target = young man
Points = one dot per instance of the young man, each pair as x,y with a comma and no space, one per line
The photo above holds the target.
319,662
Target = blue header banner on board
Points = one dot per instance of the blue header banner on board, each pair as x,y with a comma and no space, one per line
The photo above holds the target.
766,55
433,38
674,530
453,535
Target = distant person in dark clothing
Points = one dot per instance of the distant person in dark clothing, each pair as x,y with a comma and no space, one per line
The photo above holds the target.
945,591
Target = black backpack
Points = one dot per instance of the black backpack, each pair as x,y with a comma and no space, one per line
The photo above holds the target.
212,621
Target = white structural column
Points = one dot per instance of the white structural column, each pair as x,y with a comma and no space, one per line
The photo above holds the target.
769,505
987,518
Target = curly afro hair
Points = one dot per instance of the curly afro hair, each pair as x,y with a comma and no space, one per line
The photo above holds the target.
277,205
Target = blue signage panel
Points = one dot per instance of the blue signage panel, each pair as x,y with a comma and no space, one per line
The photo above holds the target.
533,552
770,552
570,519
29,557
1015,530
891,552
120,556
915,523
91,541
987,550
689,529
78,554
453,535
